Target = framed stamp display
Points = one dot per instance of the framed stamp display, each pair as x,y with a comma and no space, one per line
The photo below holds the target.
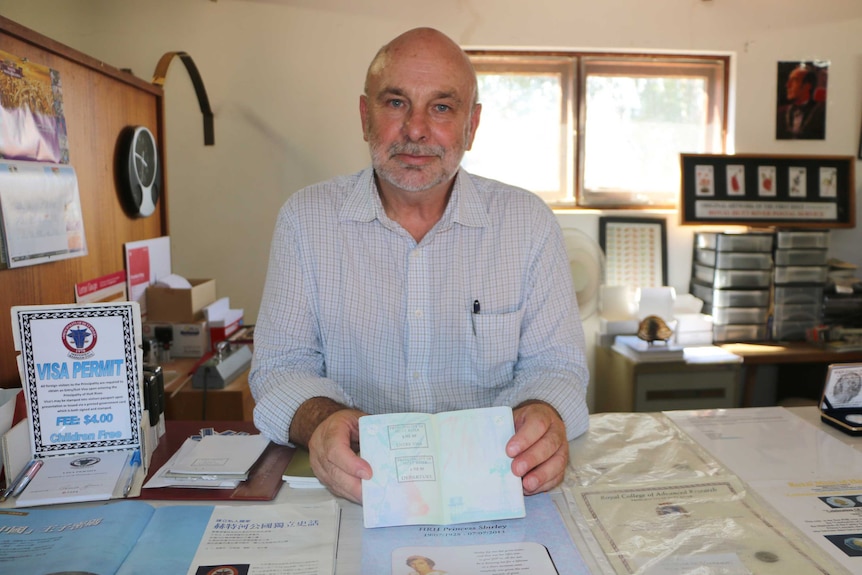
768,191
635,251
841,404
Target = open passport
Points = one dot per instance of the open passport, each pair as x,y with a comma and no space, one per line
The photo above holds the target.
439,469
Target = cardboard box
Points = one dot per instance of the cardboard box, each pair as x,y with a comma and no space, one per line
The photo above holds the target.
177,305
190,339
222,332
223,321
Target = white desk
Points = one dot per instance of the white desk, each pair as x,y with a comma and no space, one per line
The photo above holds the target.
349,553
610,435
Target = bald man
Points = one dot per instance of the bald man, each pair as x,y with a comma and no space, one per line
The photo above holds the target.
413,286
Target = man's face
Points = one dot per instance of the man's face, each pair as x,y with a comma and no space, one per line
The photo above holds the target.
797,90
418,117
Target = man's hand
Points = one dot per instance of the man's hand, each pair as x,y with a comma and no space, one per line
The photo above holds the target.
334,461
332,445
539,447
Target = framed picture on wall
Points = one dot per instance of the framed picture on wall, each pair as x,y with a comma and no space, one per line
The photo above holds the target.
635,251
801,100
768,190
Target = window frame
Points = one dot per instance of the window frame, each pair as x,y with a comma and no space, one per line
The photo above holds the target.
580,64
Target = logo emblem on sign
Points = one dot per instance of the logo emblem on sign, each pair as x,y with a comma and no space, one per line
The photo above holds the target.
79,337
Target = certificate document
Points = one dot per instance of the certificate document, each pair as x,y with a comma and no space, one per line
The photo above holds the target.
671,528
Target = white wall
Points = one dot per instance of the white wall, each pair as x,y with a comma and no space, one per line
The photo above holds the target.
283,78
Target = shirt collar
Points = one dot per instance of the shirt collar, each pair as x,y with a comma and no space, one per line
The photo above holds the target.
465,207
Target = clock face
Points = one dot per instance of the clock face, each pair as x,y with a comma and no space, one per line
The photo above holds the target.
138,171
145,157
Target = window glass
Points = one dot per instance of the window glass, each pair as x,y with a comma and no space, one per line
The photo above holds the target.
524,136
611,140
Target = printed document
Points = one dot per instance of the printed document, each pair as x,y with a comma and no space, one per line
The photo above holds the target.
708,526
829,511
73,478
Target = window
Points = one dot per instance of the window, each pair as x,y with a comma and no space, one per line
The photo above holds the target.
597,130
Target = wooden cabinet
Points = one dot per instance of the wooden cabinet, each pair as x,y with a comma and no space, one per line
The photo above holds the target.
623,384
182,402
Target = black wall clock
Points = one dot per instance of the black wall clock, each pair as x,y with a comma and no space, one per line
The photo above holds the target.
138,171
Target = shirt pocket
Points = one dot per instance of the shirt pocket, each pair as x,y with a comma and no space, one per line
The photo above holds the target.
495,347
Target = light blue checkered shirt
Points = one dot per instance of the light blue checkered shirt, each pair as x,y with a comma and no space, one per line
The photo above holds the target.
355,310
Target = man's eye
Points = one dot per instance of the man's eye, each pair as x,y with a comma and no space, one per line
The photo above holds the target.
396,103
442,108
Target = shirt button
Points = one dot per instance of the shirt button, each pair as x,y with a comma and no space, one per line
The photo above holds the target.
416,375
418,313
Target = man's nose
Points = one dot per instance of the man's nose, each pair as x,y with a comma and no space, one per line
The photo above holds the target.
416,124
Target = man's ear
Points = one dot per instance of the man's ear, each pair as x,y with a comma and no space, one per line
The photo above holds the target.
363,115
473,124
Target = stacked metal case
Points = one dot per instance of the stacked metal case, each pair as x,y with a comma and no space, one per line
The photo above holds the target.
801,271
732,273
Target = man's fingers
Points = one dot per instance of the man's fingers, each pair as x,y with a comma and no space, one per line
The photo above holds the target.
539,447
333,460
547,475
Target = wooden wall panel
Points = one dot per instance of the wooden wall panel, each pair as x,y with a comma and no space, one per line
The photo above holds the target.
99,101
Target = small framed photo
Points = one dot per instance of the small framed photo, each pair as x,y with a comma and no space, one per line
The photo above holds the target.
735,179
705,176
635,251
766,180
828,182
798,183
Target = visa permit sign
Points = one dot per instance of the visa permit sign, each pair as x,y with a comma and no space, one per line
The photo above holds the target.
80,368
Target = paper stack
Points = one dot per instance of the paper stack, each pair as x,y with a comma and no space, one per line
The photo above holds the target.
298,473
641,351
217,461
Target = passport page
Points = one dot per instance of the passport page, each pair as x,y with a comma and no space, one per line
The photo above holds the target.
439,469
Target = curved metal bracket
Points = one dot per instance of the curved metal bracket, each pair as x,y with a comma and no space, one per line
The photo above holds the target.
159,80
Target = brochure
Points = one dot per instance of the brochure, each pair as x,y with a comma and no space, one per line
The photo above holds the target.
537,544
128,537
438,469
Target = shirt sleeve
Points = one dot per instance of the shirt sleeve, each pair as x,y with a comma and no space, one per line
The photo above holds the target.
551,364
288,366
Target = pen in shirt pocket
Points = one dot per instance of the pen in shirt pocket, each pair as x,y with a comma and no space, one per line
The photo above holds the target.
476,309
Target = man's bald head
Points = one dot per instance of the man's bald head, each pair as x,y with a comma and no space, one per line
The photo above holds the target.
418,42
